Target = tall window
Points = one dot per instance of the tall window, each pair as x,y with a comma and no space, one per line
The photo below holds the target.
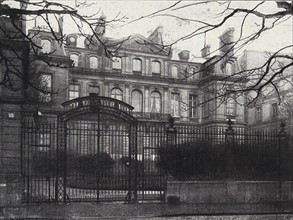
73,91
74,57
117,94
156,67
93,62
230,106
258,115
206,105
192,106
275,111
175,98
93,89
117,64
46,46
46,88
136,100
156,102
174,70
136,65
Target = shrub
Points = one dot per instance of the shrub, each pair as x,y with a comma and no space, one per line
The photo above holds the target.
45,163
203,161
173,200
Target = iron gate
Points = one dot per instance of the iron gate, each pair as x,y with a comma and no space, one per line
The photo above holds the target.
89,154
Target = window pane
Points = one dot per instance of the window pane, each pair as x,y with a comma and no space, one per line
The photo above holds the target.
156,102
46,46
230,106
192,106
117,64
73,91
206,105
175,104
136,101
93,62
45,85
94,89
229,68
117,94
259,113
136,65
174,72
74,57
275,111
156,67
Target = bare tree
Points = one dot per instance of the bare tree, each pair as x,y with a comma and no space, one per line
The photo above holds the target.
218,15
21,52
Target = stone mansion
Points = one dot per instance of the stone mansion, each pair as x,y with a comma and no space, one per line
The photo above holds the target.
141,72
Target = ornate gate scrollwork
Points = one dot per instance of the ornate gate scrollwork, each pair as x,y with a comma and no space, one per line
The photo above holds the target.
87,119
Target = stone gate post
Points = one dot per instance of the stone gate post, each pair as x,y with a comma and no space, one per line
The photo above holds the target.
229,142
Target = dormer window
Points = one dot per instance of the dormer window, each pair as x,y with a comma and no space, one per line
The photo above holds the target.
93,62
45,88
174,71
228,68
156,67
74,58
46,46
136,65
116,64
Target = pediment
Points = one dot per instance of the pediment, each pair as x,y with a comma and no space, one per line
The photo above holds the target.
141,44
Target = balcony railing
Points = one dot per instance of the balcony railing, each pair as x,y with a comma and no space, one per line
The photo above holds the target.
151,116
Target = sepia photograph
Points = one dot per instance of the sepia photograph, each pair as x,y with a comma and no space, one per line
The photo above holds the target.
146,109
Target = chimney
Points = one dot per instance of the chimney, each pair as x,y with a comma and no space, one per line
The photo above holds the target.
184,55
100,29
157,35
23,6
60,24
205,52
226,41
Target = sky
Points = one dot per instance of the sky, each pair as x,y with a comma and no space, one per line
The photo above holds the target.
128,13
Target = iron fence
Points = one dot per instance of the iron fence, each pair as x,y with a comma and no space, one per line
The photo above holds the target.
95,163
221,153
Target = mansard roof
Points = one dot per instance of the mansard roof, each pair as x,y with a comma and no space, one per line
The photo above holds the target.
139,43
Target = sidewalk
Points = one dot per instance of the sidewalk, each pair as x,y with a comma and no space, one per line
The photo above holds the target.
145,210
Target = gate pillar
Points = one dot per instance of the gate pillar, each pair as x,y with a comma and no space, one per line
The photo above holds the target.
60,184
171,133
133,163
229,142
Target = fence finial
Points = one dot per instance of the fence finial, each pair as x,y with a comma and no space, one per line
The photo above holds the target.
230,123
171,127
171,121
282,128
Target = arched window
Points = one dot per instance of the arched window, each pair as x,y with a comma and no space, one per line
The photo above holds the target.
229,68
93,62
174,70
117,94
156,102
230,106
156,67
136,100
46,46
116,64
136,65
74,57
